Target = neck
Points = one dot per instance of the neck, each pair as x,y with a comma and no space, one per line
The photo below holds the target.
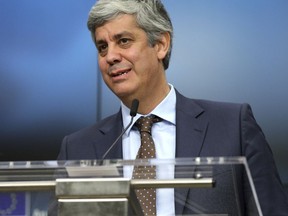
148,102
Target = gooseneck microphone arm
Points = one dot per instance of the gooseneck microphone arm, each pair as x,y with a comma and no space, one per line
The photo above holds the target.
133,112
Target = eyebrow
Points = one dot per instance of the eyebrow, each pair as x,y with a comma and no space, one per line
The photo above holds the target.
121,34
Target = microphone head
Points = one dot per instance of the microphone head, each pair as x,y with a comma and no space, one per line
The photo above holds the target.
134,107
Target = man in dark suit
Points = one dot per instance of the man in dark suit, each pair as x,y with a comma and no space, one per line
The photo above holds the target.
134,41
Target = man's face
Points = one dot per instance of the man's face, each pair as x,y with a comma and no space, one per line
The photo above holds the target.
130,67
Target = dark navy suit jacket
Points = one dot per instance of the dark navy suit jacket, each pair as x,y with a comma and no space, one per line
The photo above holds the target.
203,128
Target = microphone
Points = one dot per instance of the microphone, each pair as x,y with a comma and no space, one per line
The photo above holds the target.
133,112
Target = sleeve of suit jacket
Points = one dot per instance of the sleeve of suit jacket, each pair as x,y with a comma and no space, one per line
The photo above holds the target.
271,195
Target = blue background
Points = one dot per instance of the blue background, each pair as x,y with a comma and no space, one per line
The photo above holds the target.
227,50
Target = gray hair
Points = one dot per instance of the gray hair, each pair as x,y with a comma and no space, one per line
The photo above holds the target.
151,16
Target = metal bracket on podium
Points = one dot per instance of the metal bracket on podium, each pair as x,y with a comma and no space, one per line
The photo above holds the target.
110,196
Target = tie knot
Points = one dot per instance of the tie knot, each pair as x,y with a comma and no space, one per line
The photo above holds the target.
144,124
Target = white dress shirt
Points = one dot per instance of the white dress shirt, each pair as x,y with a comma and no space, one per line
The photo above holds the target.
164,136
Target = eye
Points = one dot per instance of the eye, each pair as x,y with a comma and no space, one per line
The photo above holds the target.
124,41
102,48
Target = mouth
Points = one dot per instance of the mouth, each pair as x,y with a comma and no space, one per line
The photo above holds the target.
120,73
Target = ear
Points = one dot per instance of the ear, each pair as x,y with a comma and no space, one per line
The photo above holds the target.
163,45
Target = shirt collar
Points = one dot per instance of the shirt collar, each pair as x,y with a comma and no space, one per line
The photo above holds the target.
165,110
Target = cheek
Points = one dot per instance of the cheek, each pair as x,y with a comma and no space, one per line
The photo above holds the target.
102,66
141,59
101,63
103,69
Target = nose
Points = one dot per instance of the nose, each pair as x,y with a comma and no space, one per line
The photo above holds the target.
113,55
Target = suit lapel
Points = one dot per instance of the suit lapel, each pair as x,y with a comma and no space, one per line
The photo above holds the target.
110,130
191,128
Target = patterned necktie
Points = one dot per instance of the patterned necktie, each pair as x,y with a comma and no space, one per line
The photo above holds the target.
147,196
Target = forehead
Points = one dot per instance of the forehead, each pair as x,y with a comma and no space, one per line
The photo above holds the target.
121,23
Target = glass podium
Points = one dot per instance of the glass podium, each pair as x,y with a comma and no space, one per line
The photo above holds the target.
219,186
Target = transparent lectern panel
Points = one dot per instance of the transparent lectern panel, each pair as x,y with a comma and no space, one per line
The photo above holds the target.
191,186
27,188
